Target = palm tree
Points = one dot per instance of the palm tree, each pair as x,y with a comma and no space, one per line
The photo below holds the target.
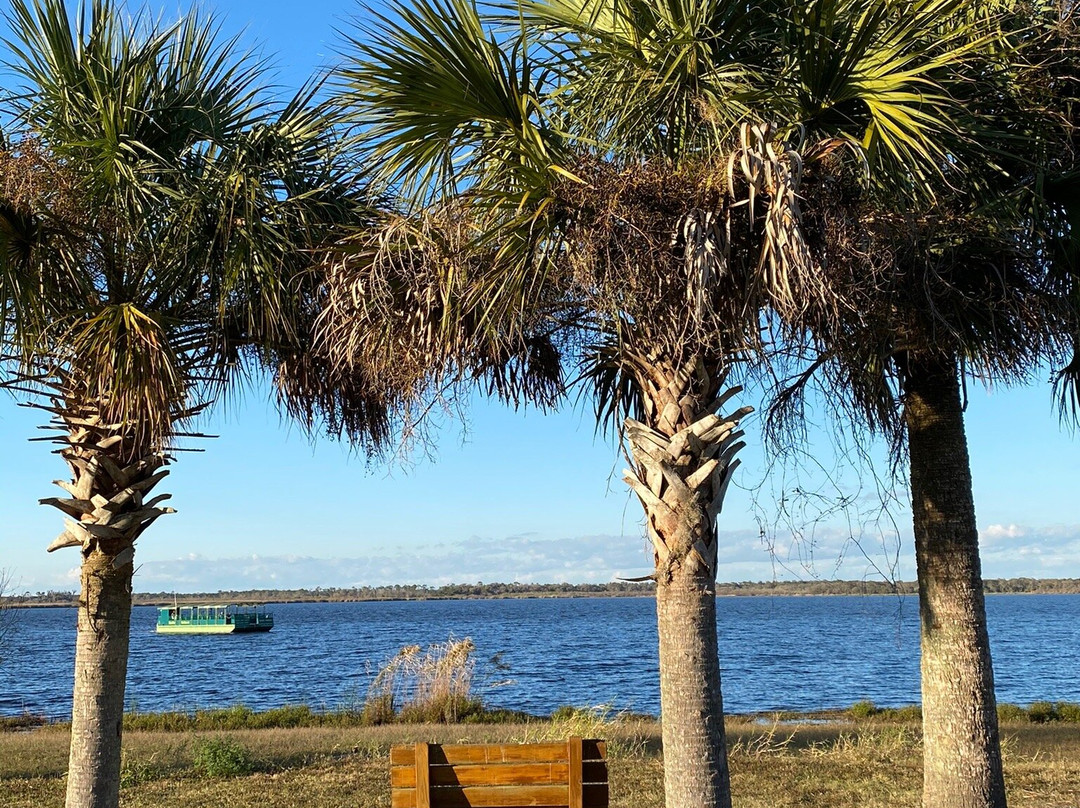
963,284
633,173
155,220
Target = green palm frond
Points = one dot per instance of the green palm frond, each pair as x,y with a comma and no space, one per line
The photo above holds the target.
124,361
446,105
128,99
666,78
877,73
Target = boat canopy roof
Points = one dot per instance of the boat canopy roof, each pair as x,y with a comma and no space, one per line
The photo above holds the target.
213,606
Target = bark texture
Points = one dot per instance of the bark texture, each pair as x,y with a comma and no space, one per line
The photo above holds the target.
101,654
107,511
684,460
961,745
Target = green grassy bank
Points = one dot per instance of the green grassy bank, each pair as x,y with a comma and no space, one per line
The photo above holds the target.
868,762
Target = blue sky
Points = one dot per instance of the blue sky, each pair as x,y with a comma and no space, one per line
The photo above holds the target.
507,496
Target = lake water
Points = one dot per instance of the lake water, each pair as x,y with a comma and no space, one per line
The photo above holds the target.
777,653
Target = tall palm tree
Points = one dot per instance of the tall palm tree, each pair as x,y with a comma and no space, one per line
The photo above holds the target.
634,173
956,293
155,222
964,284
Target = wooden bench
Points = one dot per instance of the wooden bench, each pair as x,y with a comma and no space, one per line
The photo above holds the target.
552,775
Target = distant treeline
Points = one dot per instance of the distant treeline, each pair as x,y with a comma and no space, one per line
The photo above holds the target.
992,586
1058,586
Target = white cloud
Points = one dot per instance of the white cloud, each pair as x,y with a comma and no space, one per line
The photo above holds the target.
523,558
526,558
1007,551
994,534
1014,551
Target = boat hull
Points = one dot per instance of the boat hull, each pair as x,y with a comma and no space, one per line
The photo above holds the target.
213,629
225,629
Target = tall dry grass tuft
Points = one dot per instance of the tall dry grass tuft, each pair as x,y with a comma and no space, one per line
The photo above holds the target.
418,686
626,734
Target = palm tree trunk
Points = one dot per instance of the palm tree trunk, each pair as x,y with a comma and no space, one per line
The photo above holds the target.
108,512
684,459
101,654
691,704
961,746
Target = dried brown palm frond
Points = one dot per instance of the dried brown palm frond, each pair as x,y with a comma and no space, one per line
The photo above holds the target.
33,181
689,256
339,404
941,280
400,305
387,298
40,208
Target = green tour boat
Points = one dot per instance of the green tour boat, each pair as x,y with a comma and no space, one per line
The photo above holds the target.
216,619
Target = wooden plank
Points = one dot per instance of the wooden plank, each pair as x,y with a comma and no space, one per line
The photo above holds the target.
484,774
443,754
593,796
573,746
498,775
402,756
499,797
423,787
455,754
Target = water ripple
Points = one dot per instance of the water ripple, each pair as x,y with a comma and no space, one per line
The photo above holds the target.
776,652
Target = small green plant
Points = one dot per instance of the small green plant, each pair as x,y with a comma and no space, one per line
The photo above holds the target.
1042,712
134,771
220,757
863,709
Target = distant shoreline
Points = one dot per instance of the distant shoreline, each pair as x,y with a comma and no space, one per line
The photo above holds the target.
517,591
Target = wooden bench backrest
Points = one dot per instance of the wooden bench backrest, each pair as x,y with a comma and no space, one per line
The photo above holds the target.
552,775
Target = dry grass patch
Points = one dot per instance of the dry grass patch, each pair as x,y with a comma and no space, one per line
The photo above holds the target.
773,765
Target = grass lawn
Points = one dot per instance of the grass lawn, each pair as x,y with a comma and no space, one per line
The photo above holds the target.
868,764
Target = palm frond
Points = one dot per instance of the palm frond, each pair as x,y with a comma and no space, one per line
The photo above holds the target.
445,105
190,211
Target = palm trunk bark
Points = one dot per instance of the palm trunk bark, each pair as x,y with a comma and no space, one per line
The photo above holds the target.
961,746
684,459
101,654
691,703
107,512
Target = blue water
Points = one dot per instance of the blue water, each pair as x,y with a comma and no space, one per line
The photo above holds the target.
776,652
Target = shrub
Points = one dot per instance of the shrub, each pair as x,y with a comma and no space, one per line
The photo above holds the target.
378,709
910,712
1068,711
863,709
26,720
295,715
1042,712
1011,712
220,757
